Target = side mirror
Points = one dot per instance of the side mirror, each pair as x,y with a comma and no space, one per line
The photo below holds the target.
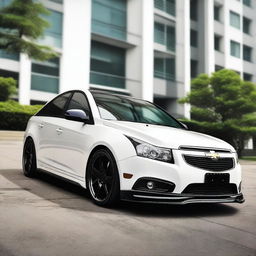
184,125
76,115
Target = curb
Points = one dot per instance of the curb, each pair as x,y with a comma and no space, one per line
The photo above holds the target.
11,135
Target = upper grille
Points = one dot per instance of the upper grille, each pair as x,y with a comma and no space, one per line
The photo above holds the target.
204,149
207,163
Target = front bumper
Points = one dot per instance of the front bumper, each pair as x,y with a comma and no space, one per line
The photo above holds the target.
174,198
180,173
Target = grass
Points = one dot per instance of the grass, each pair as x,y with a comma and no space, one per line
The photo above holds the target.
250,158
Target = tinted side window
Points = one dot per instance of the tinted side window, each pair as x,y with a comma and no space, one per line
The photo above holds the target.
56,107
79,101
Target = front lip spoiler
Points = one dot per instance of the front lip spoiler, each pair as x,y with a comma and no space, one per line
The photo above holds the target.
173,198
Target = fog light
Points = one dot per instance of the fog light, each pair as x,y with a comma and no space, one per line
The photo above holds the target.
150,184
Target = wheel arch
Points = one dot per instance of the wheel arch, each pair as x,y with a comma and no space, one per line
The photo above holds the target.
96,148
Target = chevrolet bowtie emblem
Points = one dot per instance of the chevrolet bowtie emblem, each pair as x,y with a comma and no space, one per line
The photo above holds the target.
213,155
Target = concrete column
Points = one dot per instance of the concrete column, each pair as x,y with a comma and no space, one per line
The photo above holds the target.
183,54
147,49
209,55
75,61
24,79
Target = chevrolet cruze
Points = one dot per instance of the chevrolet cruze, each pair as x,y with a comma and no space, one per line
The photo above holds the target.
119,147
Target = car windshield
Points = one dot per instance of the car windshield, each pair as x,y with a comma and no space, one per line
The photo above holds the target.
121,108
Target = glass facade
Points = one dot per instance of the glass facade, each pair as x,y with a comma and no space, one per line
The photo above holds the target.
234,20
193,68
235,49
247,2
11,56
109,18
193,10
247,77
164,68
45,76
247,53
246,25
167,6
217,67
57,1
165,35
4,3
53,34
193,38
217,13
107,65
217,41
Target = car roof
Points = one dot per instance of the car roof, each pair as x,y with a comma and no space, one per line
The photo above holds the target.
115,94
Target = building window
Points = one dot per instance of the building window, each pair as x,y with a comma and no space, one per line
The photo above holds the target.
167,6
57,1
109,18
194,68
246,25
193,9
247,53
10,56
107,65
235,49
217,13
4,3
217,67
247,2
164,68
193,38
165,35
217,42
247,77
159,33
45,76
234,20
53,34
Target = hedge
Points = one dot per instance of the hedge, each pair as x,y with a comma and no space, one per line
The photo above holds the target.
14,116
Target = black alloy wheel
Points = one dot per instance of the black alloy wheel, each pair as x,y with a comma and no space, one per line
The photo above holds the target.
29,158
103,178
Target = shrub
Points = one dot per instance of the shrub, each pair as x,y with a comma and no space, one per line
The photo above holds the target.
7,87
14,116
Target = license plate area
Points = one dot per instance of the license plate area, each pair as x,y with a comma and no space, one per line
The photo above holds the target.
217,178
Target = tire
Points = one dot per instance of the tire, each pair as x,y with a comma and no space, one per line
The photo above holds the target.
102,178
29,159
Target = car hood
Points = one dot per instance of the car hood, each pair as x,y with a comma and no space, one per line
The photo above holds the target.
167,136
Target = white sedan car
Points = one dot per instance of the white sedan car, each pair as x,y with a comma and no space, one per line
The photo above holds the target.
119,147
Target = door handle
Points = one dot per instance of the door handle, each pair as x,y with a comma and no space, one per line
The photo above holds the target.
59,130
41,125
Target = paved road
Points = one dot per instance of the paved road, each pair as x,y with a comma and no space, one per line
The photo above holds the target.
45,216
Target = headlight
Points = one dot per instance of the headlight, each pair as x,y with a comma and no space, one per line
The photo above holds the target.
147,150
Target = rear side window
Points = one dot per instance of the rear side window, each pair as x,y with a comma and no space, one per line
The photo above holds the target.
79,101
56,107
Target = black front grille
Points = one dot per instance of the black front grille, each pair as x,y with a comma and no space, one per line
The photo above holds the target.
207,163
210,189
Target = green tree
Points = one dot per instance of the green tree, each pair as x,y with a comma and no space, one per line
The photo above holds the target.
7,87
224,105
22,23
